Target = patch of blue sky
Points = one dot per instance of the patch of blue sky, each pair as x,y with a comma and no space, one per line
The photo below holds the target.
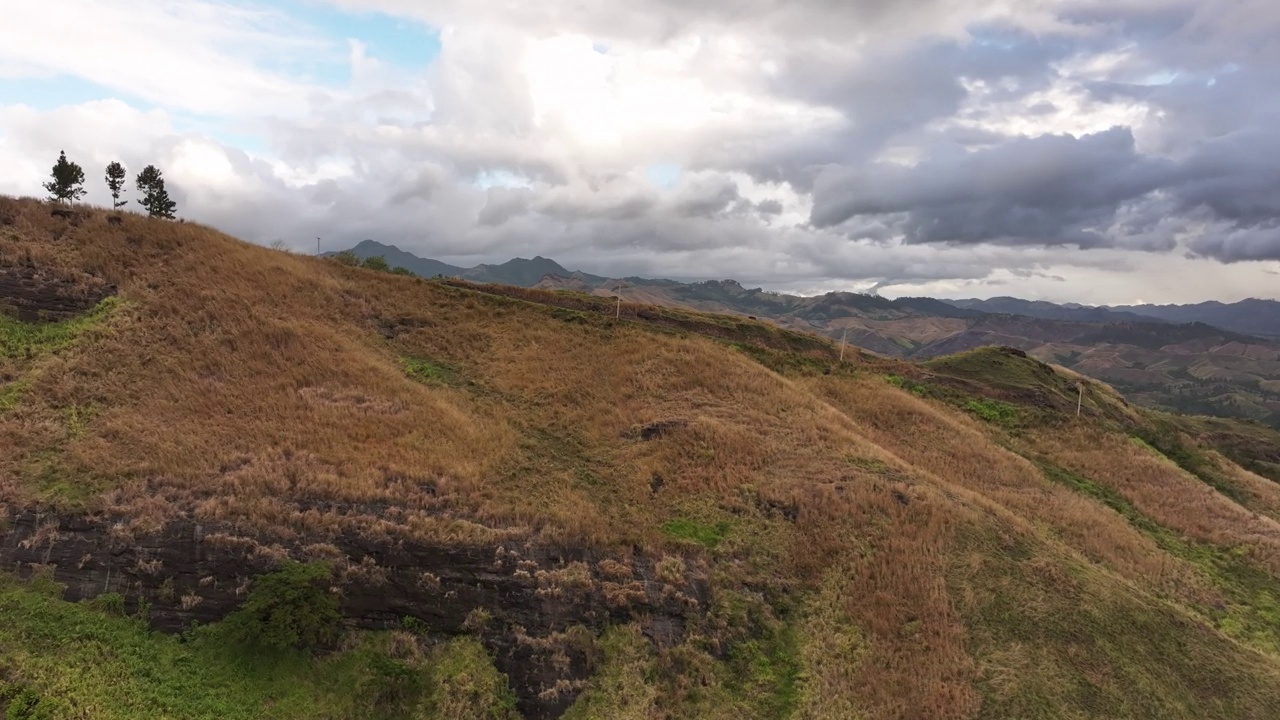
398,41
500,178
1164,77
47,92
664,175
44,93
230,133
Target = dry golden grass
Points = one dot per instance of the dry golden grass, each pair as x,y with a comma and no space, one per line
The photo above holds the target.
1165,492
955,452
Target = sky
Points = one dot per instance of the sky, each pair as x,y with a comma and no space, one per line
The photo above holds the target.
1094,151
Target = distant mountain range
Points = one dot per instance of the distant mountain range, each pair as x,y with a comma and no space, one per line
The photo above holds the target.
517,271
1210,358
1252,316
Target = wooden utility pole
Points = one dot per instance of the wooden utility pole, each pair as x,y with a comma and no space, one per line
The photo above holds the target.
843,335
617,313
1080,399
317,247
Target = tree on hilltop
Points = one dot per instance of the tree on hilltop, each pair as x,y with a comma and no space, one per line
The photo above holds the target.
67,184
115,183
154,197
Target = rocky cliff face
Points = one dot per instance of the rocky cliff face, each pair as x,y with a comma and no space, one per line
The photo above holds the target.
528,603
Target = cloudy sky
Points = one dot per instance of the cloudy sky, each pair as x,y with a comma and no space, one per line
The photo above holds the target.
1101,151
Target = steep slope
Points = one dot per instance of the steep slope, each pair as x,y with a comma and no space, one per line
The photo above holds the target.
535,503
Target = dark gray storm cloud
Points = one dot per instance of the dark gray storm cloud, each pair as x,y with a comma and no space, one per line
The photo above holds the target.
1049,190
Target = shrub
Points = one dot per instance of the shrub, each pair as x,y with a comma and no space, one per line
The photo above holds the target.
378,263
24,704
392,684
346,257
993,411
109,603
288,609
915,388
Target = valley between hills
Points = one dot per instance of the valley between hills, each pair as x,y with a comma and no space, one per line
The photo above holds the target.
237,482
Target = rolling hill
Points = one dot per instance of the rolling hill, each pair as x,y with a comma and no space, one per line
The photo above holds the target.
240,483
1159,362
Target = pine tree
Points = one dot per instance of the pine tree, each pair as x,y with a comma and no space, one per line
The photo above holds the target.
154,197
67,184
115,183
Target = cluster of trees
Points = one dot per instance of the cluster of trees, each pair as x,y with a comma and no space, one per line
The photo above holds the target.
379,263
67,185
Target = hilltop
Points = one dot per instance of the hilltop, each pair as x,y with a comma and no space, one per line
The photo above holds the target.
525,502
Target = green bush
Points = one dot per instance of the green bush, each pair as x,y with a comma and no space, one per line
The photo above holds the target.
109,603
397,270
378,263
915,388
290,609
993,411
392,683
24,704
346,257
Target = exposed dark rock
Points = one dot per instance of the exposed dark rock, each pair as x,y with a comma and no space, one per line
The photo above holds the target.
35,295
529,597
658,428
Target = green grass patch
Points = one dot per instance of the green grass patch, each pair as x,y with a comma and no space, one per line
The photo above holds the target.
706,535
626,684
11,394
58,486
911,386
766,671
427,372
60,659
993,411
24,341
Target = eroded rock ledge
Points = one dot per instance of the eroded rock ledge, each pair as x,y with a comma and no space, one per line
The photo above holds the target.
32,294
521,599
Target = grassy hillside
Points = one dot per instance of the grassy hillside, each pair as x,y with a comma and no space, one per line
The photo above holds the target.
525,502
1193,368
